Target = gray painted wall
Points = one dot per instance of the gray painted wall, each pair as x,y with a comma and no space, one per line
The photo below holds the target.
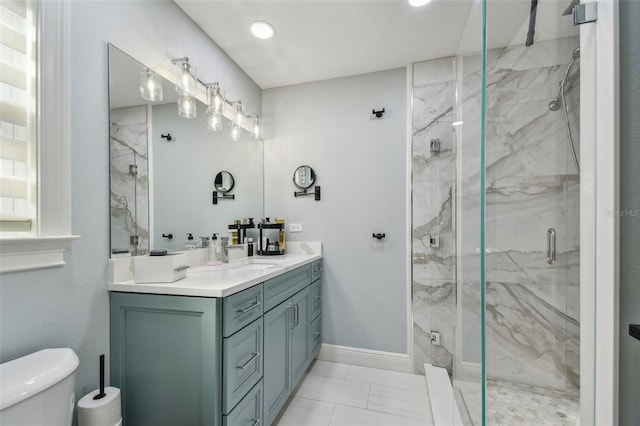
68,306
361,167
629,202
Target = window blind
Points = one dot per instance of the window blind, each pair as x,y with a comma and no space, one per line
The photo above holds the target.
17,115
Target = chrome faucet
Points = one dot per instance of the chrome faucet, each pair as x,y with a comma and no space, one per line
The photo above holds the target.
226,247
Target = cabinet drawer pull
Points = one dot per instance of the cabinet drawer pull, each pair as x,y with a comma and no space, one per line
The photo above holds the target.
248,308
317,336
296,312
255,421
246,364
315,299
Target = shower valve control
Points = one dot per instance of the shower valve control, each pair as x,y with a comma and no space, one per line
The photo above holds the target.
435,337
434,241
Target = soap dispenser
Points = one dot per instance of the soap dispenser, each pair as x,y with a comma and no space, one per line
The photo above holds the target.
215,249
189,243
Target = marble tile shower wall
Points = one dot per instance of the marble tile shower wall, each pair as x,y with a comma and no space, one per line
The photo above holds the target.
129,193
532,308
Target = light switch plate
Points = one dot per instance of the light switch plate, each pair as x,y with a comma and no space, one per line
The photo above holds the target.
295,227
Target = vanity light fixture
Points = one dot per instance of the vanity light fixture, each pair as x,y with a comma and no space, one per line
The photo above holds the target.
214,123
256,129
150,86
186,88
215,98
418,3
262,30
235,132
186,106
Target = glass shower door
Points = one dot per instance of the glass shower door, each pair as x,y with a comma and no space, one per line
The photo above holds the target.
531,220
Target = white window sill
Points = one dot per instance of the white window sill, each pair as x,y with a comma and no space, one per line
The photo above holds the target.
29,253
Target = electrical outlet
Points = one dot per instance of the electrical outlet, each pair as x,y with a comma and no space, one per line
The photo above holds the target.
434,241
295,227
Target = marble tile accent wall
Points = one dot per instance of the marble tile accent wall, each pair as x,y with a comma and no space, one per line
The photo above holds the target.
531,185
129,194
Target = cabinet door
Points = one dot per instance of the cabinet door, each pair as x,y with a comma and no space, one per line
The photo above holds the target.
277,379
165,358
300,334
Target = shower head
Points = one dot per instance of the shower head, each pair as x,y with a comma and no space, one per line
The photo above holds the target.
569,9
576,53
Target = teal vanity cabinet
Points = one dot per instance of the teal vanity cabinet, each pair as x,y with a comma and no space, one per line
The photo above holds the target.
166,358
232,361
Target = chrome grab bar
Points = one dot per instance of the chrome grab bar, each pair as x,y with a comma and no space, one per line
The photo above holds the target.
551,246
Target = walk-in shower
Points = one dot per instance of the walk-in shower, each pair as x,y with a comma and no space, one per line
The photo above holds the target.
505,174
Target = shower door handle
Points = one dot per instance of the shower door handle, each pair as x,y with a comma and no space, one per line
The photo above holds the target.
551,246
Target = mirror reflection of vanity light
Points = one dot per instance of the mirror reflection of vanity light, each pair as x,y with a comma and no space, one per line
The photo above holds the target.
223,183
304,177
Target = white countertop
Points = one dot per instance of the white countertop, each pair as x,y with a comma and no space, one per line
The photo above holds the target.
222,280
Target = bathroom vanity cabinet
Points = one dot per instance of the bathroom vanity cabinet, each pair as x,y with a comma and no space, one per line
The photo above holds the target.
215,361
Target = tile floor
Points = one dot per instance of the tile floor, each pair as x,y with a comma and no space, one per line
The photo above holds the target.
511,404
334,394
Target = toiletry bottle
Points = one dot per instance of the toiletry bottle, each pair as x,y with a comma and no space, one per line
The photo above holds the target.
249,246
216,249
189,242
282,235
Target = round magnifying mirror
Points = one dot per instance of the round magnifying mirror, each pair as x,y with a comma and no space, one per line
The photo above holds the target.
304,177
224,182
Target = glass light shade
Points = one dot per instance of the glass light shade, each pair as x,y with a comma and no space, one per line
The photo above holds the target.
235,133
215,99
214,123
150,86
239,115
186,106
256,130
187,84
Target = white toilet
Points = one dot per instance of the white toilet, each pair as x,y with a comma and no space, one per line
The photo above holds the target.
39,389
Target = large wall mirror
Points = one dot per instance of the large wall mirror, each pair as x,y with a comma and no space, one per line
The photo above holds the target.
164,185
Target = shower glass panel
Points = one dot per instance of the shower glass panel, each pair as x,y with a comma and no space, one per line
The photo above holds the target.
531,220
446,187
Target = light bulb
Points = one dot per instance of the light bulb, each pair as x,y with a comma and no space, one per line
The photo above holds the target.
187,106
150,86
214,123
235,133
239,114
256,131
187,80
215,99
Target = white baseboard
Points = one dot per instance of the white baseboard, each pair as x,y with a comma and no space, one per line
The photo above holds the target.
366,358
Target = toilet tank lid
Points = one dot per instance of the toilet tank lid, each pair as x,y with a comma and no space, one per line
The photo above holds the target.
24,377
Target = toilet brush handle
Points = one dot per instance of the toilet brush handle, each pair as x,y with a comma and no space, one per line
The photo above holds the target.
101,394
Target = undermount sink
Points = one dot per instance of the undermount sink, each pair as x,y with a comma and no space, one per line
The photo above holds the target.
254,266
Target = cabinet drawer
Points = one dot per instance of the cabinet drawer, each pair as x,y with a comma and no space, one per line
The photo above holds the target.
316,270
242,364
316,336
249,410
241,309
279,289
316,298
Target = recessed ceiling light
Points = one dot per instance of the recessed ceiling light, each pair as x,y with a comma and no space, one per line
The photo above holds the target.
262,29
418,3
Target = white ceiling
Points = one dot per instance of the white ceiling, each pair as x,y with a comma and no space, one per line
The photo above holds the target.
322,39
